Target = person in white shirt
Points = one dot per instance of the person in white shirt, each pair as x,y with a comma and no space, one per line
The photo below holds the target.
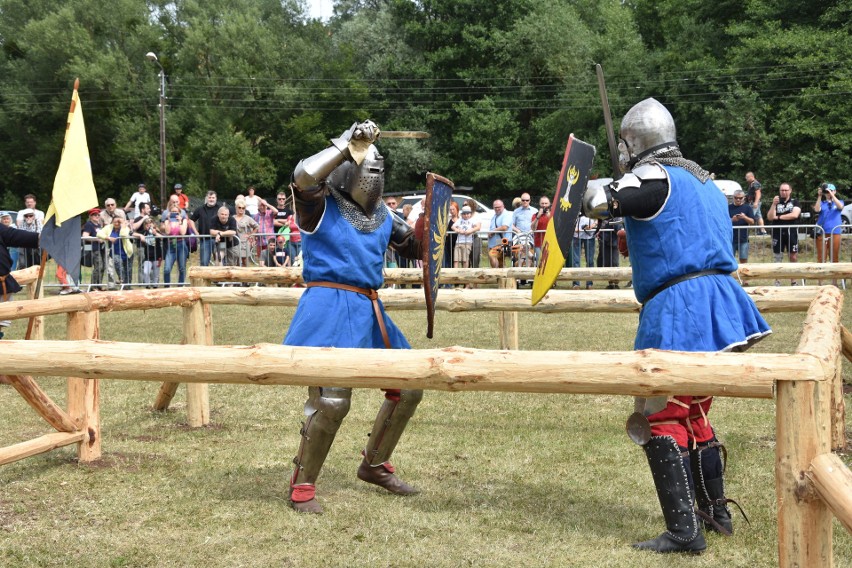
29,203
141,196
465,228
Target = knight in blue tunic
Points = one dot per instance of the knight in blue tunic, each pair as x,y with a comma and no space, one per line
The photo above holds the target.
679,235
345,231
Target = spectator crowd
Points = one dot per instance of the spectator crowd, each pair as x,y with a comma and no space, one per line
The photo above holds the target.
140,245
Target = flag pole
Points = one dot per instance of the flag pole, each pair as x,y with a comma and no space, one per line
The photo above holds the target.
42,265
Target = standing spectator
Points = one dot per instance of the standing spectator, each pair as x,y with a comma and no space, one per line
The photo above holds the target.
465,228
280,255
29,203
753,195
282,218
583,243
204,217
7,220
522,228
183,199
246,228
150,251
608,249
176,226
173,200
93,249
224,230
451,237
742,217
783,213
141,196
294,245
120,248
476,246
252,201
265,218
828,207
539,225
109,213
499,229
137,227
29,256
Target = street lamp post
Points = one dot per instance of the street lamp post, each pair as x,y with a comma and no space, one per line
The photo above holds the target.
153,57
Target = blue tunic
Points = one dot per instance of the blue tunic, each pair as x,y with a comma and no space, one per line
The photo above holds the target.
691,233
337,252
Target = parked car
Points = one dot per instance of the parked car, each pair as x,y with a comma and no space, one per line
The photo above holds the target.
483,213
846,217
728,187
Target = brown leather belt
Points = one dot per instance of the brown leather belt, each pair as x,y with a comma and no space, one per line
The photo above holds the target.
372,295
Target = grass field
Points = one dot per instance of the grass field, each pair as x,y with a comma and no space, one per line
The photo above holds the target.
507,479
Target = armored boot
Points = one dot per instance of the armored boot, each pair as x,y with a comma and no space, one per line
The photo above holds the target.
672,481
325,409
387,429
708,471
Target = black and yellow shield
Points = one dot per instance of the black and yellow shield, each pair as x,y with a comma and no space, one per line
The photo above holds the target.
576,166
436,208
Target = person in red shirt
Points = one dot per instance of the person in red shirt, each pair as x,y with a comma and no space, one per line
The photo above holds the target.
183,199
539,225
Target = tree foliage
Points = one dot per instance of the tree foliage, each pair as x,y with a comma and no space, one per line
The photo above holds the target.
255,85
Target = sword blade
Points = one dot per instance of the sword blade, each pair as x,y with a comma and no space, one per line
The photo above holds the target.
404,134
610,132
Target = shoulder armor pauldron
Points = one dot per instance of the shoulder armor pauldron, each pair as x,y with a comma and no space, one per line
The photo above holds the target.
649,172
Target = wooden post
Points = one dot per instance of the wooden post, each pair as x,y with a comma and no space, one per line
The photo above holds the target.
803,432
197,330
38,321
84,394
507,322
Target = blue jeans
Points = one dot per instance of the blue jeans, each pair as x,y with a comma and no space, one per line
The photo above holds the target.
742,249
123,268
175,251
205,249
294,249
588,246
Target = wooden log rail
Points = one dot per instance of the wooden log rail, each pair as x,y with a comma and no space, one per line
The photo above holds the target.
767,298
455,369
267,275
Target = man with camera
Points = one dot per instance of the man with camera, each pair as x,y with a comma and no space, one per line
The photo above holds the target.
784,213
742,217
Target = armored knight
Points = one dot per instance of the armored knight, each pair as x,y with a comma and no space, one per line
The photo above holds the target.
679,237
345,231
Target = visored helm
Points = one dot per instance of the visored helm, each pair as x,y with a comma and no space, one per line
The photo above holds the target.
646,127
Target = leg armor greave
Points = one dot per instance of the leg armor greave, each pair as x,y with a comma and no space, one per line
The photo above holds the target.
672,481
325,408
708,469
390,422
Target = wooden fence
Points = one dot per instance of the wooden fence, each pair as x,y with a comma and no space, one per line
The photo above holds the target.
811,483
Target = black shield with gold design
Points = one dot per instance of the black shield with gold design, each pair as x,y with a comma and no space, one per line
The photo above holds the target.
436,207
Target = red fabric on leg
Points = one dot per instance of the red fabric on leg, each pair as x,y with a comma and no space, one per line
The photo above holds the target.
302,492
702,431
392,394
672,412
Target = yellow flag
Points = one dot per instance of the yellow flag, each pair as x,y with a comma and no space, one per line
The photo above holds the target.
549,265
73,187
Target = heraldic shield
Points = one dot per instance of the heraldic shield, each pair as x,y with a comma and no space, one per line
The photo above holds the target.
576,166
436,207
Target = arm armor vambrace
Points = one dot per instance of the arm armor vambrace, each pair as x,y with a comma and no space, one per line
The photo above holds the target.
402,240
